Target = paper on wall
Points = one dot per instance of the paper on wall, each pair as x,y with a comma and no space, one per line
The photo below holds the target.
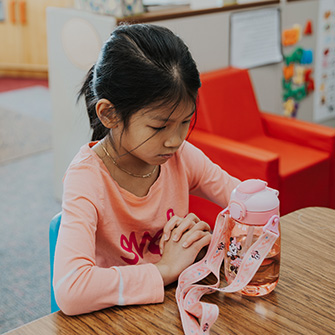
324,99
255,38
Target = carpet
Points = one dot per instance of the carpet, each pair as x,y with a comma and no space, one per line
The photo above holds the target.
22,135
25,122
10,84
27,204
26,208
32,101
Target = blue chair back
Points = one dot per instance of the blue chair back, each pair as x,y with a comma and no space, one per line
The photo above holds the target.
53,235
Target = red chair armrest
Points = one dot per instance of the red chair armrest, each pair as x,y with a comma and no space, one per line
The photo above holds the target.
238,159
300,132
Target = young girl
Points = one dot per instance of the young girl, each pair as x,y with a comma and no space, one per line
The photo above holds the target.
126,231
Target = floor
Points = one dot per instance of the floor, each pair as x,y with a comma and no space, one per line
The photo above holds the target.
27,203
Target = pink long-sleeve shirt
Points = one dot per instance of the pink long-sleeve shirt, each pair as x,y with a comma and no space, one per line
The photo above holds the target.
108,238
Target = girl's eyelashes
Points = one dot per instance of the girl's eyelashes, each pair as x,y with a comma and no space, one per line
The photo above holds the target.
163,127
158,128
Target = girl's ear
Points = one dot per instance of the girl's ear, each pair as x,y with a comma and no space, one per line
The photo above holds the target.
106,113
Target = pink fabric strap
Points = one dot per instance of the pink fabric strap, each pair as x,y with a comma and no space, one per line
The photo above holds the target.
197,317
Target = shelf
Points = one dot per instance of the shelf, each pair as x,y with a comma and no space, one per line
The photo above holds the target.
185,11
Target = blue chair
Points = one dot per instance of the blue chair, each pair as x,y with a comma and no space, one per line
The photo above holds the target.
53,235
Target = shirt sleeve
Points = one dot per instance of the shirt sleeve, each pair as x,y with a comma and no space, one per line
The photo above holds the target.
80,285
207,179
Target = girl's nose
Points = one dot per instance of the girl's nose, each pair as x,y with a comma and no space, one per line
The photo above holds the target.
175,140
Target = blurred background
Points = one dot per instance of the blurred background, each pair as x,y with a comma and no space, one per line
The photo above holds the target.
46,48
27,202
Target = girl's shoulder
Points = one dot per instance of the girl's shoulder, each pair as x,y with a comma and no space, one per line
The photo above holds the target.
189,153
190,160
86,175
86,161
86,157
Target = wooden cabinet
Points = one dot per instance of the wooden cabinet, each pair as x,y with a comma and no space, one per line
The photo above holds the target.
23,37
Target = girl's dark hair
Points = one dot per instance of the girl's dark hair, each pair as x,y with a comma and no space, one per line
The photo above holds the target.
140,65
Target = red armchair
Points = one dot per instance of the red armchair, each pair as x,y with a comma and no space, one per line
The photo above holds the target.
295,157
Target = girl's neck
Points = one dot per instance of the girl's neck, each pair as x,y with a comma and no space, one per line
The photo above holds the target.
138,186
118,165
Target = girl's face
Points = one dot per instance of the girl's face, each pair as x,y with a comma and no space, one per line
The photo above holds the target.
153,134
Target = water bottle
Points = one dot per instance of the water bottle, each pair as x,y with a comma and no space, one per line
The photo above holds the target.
252,206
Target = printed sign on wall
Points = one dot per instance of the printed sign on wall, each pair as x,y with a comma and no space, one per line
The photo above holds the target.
324,102
255,38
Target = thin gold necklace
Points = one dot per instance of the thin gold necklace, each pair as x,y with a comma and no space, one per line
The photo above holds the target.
126,171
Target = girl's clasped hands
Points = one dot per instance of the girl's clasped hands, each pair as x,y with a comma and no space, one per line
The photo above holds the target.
181,242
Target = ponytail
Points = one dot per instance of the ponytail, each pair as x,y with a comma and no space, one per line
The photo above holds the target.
99,130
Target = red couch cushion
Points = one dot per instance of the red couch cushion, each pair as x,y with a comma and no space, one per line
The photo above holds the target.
227,105
292,157
301,169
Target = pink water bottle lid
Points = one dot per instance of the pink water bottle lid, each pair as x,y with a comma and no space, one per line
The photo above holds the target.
251,186
253,201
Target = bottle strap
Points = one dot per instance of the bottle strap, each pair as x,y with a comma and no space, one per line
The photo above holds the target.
197,317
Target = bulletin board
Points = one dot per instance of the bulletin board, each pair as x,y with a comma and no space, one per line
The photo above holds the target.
324,100
255,38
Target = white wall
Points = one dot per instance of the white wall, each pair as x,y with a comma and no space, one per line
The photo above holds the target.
74,40
207,36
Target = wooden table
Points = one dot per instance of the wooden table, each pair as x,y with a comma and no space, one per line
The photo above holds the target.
302,303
